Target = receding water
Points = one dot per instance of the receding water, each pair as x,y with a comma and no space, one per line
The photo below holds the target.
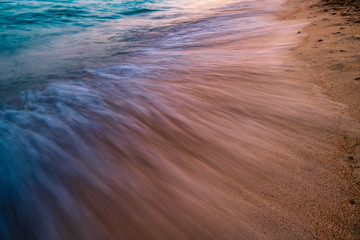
150,120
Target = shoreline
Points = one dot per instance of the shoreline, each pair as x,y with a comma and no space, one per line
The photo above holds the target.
209,128
330,46
328,53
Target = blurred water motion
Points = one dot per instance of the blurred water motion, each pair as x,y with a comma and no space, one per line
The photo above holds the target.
178,120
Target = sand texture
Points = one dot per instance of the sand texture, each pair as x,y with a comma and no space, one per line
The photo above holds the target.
233,125
329,51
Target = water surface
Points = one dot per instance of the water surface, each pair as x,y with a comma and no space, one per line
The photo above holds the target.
149,120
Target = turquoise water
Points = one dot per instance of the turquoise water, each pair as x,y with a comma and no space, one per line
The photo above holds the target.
25,23
111,110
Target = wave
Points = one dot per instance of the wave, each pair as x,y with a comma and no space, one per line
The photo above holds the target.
194,128
138,11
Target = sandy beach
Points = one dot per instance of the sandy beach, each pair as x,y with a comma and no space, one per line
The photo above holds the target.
179,120
329,55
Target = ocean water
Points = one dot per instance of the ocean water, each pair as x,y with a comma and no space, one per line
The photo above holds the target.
162,119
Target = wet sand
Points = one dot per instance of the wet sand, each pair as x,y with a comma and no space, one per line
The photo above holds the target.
226,135
328,53
330,46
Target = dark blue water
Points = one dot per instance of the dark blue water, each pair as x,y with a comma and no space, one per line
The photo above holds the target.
118,118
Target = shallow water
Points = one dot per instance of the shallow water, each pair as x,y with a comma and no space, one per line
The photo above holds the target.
150,120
